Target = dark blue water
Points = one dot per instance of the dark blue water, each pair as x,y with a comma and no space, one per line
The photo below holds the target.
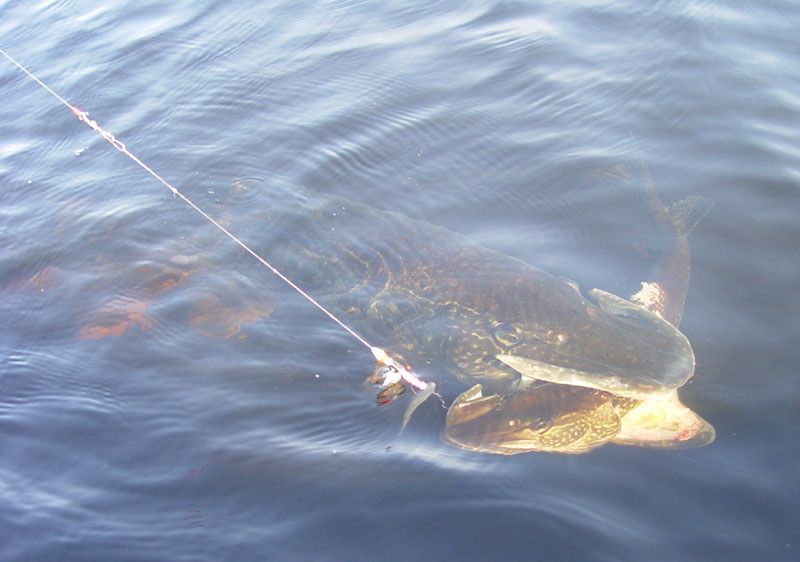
162,397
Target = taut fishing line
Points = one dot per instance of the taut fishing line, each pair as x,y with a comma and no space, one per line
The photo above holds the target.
393,373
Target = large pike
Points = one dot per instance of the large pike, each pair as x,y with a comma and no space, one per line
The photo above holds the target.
576,412
430,295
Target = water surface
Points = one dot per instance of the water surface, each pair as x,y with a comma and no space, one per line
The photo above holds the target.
133,426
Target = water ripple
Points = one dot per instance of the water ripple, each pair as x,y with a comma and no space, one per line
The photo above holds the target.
162,397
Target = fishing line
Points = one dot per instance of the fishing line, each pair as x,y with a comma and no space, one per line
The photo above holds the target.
395,372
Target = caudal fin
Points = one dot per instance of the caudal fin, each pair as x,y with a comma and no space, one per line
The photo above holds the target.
680,217
687,213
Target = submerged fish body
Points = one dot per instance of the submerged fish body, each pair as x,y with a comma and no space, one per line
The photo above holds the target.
578,418
555,418
623,416
497,324
429,294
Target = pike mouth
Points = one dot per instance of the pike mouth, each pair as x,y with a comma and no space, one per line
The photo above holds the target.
664,422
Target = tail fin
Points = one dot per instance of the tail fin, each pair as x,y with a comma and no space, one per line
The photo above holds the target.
687,213
665,294
682,216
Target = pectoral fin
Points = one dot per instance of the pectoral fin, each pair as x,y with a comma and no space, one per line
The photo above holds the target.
420,397
471,404
548,372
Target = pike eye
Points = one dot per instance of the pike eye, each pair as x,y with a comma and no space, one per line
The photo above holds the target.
540,425
505,334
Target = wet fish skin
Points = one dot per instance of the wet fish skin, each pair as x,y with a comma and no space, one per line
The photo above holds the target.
433,295
656,421
553,418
